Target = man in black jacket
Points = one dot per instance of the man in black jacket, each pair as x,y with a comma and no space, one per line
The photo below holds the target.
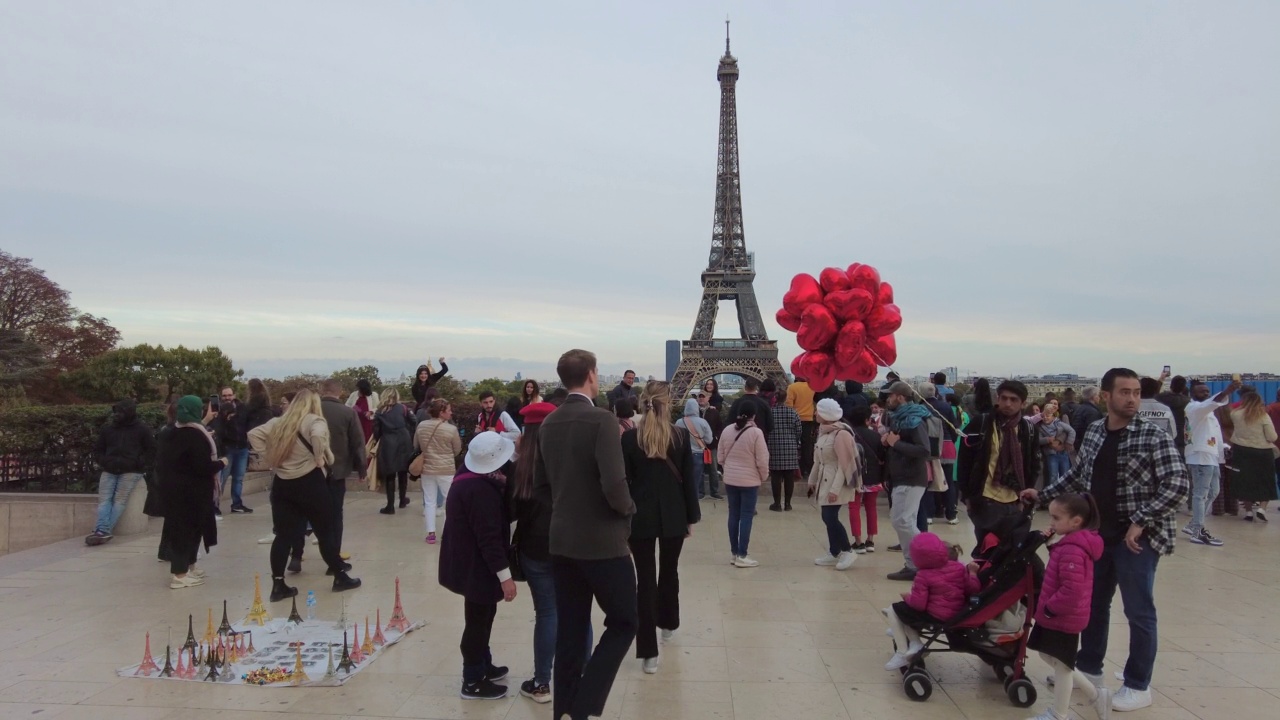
124,450
232,433
751,394
346,440
907,463
1085,414
625,391
996,465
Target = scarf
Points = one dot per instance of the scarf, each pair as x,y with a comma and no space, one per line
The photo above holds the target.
908,416
213,448
1009,468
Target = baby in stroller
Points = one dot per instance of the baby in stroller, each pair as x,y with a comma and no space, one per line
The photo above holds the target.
939,591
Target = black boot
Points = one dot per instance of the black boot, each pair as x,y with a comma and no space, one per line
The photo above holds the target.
388,510
404,501
280,591
345,567
343,581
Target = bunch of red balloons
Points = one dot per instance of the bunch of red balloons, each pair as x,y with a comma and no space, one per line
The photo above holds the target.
844,321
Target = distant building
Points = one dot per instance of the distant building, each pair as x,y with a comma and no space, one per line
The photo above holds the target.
519,377
673,358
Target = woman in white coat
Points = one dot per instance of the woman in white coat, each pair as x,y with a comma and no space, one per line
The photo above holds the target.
835,479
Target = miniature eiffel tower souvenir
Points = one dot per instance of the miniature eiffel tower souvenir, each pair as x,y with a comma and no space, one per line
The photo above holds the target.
233,651
212,665
225,628
357,655
299,675
167,670
191,634
378,638
398,621
194,666
208,631
252,649
342,620
180,672
258,611
224,668
148,664
329,674
345,664
294,617
367,647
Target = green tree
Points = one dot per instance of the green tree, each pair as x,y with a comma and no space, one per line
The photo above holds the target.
349,376
450,390
494,385
292,383
149,373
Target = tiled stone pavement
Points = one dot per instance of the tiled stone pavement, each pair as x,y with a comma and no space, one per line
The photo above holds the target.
785,640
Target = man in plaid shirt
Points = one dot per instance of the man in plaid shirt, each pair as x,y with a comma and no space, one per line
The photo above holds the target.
1139,479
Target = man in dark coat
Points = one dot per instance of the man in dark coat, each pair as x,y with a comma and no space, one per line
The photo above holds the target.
626,390
1085,414
346,440
125,449
996,465
751,394
581,461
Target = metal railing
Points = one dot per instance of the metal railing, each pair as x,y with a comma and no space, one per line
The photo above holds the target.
34,473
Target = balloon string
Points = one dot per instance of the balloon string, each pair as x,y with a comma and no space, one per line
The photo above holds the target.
932,409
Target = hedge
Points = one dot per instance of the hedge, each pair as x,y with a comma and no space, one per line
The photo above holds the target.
62,429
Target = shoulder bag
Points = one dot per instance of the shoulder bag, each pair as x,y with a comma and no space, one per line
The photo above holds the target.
420,462
706,449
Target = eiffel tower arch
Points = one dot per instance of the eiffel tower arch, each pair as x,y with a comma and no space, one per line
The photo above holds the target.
730,272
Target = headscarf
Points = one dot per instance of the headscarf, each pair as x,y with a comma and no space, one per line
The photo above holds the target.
190,415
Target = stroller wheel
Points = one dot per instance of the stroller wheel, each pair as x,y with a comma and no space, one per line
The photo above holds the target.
917,686
1021,692
1003,671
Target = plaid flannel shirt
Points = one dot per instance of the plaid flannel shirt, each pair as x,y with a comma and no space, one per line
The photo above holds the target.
784,439
1152,481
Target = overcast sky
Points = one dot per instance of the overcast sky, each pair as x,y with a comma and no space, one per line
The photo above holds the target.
1049,187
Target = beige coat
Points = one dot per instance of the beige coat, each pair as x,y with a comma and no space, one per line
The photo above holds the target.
299,461
835,465
744,455
440,444
1260,435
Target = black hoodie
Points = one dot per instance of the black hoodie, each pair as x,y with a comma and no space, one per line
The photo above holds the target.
420,387
124,445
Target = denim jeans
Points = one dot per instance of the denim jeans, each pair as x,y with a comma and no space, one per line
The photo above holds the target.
237,463
902,515
1055,466
113,495
1204,488
742,510
1135,575
837,538
698,470
542,588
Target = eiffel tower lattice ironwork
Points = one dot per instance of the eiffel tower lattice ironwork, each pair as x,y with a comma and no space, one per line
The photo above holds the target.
730,272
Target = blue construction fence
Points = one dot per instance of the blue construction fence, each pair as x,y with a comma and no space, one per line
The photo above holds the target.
1266,388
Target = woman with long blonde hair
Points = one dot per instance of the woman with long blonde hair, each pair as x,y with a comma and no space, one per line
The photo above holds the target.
295,447
660,473
1252,441
393,427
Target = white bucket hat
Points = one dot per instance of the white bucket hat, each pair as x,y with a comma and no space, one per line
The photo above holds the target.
829,410
487,452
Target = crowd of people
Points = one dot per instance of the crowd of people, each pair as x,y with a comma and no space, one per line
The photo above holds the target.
592,506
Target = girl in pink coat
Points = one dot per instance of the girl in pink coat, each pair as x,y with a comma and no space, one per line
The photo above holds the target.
937,594
1062,610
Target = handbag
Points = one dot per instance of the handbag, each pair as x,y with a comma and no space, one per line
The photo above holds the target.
937,476
417,465
513,558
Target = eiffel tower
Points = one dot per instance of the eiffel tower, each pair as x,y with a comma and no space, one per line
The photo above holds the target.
730,270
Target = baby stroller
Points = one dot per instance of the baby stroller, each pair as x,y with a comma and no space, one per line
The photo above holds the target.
1010,575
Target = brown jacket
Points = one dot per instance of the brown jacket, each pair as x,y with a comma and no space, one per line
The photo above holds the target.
440,444
581,460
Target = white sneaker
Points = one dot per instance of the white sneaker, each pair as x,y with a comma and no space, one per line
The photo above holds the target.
1126,699
897,662
193,570
1099,681
914,648
845,561
1102,704
650,665
186,581
953,521
667,634
825,561
888,632
928,521
267,540
745,562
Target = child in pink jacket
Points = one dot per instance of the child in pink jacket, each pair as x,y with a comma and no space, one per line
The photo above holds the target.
1062,610
938,593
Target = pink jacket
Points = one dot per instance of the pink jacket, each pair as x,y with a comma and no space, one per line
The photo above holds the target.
744,455
942,585
1068,582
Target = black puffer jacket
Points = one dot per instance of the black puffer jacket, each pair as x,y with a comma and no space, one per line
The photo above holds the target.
125,445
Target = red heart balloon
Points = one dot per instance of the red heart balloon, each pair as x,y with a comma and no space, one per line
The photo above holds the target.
884,350
886,294
819,369
850,341
797,365
883,320
787,320
862,370
804,292
850,304
833,279
817,327
865,277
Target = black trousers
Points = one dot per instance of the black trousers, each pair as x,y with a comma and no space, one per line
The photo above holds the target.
337,496
782,481
808,438
476,658
390,482
583,687
657,590
294,503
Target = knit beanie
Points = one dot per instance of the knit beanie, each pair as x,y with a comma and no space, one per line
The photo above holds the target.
190,409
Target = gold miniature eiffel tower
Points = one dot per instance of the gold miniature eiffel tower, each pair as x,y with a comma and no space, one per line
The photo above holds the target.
378,638
233,651
208,631
299,675
367,647
258,611
148,664
398,621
